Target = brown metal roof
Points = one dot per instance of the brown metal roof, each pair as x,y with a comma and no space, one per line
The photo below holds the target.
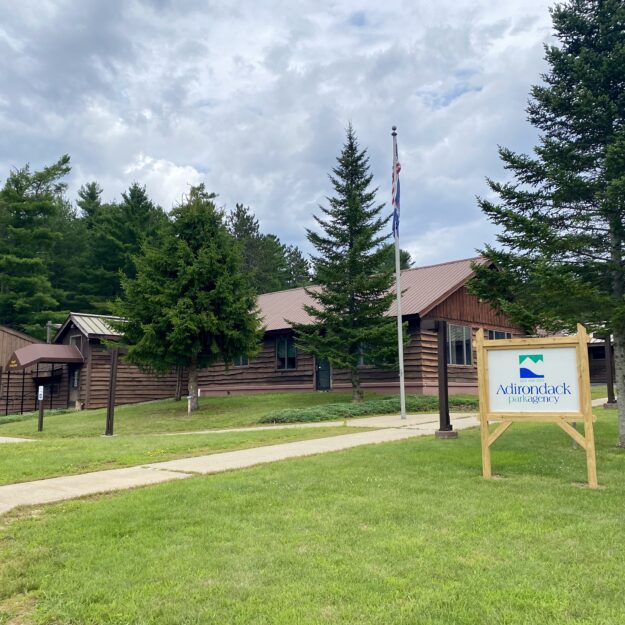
92,326
44,352
423,289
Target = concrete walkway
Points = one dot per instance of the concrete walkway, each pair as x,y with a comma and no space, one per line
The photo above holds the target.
390,428
13,439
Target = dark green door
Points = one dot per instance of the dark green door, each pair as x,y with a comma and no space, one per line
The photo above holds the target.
323,374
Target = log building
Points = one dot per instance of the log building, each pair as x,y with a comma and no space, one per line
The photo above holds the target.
436,292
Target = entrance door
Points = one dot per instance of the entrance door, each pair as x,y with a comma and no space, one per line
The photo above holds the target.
323,374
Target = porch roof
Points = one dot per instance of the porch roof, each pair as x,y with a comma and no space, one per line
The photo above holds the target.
44,352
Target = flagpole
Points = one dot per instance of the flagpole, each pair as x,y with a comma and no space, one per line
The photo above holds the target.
400,329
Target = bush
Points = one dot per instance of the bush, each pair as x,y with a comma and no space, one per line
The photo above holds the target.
386,405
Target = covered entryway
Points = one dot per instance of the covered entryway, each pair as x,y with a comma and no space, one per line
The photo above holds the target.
323,375
39,364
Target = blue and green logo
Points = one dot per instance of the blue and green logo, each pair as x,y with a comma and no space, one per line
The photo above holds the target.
530,369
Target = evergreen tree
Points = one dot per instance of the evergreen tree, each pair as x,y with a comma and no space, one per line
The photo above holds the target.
90,202
349,315
562,217
190,304
298,267
264,257
31,214
388,261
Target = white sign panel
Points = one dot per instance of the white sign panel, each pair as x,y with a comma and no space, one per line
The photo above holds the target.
40,393
533,380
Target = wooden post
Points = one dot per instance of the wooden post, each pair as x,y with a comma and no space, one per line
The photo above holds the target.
609,371
483,399
445,429
40,419
22,399
6,405
110,408
586,406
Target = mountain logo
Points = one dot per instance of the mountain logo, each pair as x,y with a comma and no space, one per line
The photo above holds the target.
528,370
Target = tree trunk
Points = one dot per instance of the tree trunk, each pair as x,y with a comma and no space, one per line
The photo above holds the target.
179,374
193,385
356,390
619,378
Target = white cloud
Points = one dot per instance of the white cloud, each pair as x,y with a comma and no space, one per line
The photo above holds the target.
253,99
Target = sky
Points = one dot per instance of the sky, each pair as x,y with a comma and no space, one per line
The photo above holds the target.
253,98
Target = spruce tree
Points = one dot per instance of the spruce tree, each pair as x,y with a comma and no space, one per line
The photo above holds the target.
298,267
190,304
562,216
31,218
349,315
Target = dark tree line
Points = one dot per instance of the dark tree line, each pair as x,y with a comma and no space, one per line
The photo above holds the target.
56,256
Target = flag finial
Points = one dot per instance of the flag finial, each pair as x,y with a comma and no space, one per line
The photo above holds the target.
394,133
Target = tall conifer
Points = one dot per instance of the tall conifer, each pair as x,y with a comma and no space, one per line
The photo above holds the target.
561,258
349,323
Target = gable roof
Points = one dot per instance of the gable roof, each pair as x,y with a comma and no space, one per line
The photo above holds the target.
44,352
423,289
19,335
92,326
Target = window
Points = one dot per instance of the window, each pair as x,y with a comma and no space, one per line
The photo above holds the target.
497,334
286,354
363,361
76,340
460,350
241,361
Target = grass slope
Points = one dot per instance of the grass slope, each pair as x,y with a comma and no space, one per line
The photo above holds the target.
400,533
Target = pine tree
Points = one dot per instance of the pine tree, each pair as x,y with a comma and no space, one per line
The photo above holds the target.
31,211
562,217
352,301
298,267
190,304
264,257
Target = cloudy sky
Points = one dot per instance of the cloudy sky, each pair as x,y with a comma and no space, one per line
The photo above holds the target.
253,98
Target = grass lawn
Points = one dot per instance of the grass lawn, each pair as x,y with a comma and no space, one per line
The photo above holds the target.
168,415
72,443
52,457
597,392
400,533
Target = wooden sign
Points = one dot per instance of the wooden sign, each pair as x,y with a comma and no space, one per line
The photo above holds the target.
544,379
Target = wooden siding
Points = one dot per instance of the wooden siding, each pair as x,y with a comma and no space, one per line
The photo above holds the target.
133,385
260,375
11,391
465,308
10,341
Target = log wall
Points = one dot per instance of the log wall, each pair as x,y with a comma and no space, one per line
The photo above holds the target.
133,385
261,375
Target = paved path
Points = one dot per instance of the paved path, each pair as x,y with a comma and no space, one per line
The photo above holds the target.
599,402
390,428
13,439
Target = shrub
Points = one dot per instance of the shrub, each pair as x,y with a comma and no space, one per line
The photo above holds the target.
385,405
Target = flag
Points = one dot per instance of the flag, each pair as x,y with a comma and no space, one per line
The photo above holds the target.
395,191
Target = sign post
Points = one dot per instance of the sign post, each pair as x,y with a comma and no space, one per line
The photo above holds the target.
545,380
40,400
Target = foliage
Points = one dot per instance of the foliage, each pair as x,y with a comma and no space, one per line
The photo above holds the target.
349,311
388,259
330,412
190,304
562,216
32,210
269,265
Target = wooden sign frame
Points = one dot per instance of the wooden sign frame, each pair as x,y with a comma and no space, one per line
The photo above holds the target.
562,419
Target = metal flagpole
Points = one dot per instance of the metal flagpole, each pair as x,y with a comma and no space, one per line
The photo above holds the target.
400,332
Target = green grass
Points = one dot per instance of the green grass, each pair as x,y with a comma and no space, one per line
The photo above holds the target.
401,533
329,412
52,457
597,392
168,416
